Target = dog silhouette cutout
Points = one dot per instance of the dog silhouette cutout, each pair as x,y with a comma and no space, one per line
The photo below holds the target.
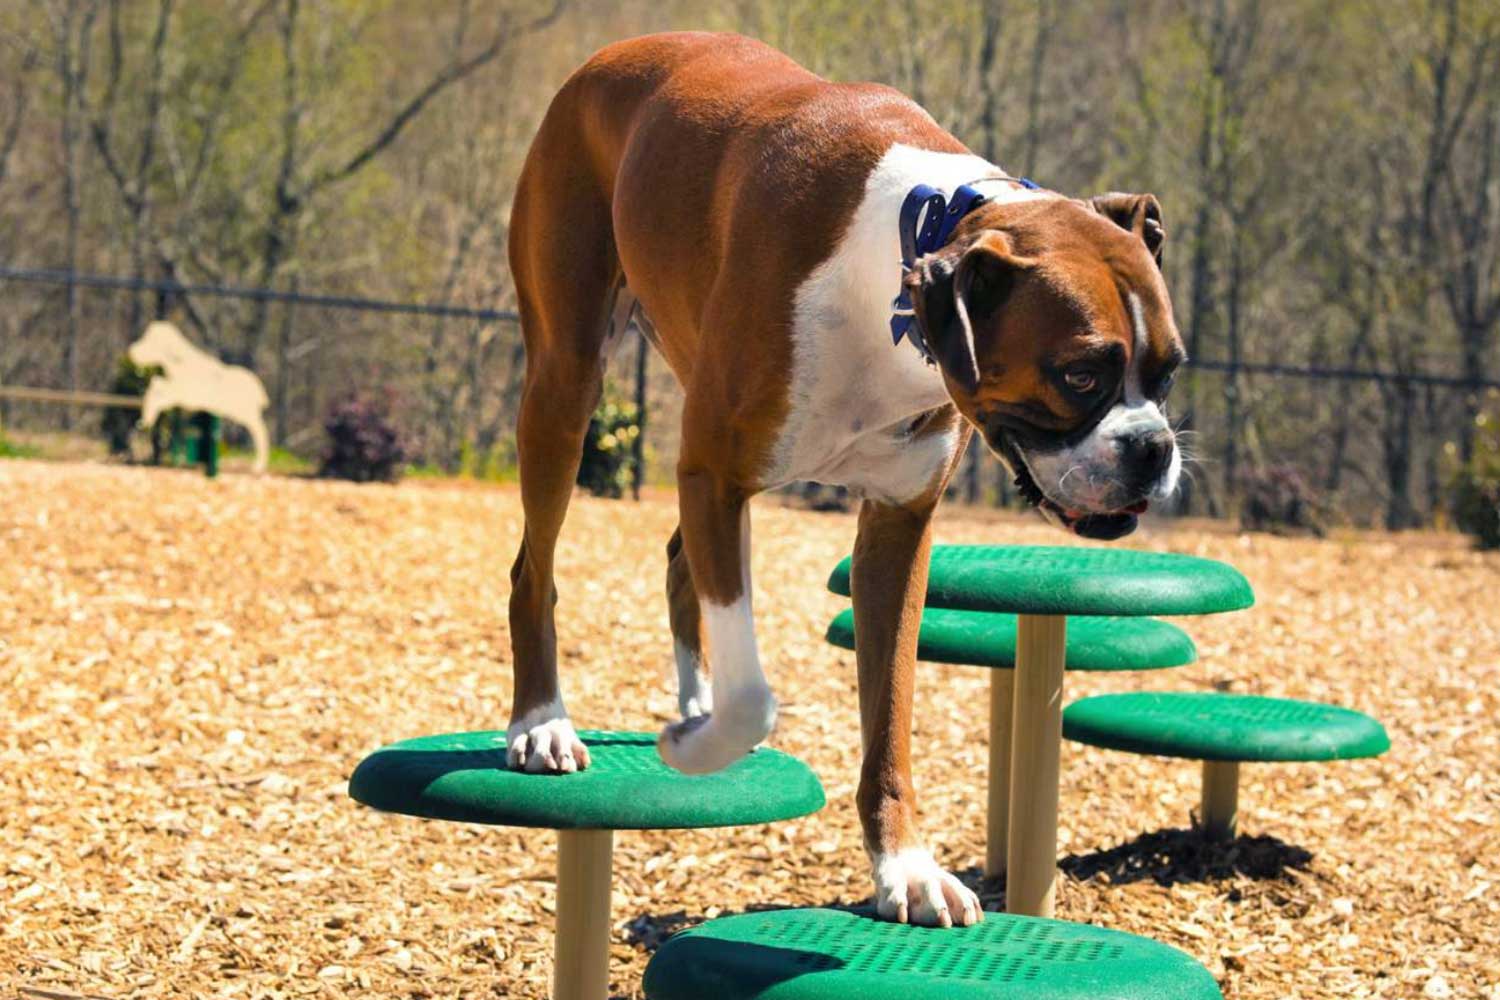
195,380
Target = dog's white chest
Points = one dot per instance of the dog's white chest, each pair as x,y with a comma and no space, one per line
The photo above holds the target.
854,395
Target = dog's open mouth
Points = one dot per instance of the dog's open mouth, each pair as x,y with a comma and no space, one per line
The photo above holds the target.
1104,527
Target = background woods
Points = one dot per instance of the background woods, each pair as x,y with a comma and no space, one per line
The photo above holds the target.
1330,174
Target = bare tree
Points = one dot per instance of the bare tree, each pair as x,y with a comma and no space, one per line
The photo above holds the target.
1461,203
15,115
72,30
133,183
299,183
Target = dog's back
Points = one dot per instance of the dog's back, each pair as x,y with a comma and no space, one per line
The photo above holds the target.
678,151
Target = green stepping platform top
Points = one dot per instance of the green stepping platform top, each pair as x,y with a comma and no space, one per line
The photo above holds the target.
1058,580
1202,725
988,639
463,776
820,954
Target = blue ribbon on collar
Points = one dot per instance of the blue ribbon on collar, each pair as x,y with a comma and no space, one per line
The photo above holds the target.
927,222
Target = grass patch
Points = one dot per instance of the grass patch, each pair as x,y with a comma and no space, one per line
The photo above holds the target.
280,462
14,449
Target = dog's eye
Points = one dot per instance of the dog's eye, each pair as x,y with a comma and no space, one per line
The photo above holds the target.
1080,381
1164,386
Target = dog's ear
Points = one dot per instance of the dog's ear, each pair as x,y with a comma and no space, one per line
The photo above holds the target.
955,292
1136,213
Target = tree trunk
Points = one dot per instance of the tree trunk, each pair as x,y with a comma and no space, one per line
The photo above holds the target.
283,367
1399,513
1234,293
1200,271
73,33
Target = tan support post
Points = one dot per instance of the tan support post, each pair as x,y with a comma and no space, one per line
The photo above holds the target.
1036,748
1221,798
581,950
997,818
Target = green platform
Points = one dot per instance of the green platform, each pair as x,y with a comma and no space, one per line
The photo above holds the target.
1059,580
463,776
818,954
1204,725
988,639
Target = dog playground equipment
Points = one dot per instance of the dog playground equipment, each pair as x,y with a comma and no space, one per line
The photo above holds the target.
464,777
988,639
193,379
825,954
1223,731
1043,586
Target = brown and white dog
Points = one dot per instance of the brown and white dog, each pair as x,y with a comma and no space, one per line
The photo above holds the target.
743,213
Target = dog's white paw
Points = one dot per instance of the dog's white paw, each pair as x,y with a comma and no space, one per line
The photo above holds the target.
543,741
706,743
910,887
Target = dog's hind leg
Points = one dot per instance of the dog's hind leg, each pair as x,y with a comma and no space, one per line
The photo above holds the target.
567,274
256,425
693,695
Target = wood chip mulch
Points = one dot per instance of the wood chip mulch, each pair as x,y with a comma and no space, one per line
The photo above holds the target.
190,670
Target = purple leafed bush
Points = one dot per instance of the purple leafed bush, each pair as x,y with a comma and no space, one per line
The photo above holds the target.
364,444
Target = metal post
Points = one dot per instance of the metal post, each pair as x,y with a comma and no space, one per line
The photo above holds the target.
638,446
208,443
997,816
1221,794
1036,748
581,949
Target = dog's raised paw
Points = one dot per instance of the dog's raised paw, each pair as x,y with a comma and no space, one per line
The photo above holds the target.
702,744
673,745
545,746
910,887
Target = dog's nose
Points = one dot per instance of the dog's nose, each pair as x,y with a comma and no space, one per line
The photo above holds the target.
1148,454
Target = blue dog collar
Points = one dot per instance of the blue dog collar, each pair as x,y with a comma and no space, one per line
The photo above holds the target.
927,222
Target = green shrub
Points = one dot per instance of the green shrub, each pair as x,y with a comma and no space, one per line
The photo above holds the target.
117,422
605,469
1474,491
497,464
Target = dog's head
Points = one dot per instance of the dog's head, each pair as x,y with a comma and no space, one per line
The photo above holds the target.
1052,326
162,345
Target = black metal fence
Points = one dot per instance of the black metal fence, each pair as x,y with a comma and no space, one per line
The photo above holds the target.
452,371
1378,444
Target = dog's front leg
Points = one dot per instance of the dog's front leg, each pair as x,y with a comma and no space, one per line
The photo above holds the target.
153,402
889,583
716,537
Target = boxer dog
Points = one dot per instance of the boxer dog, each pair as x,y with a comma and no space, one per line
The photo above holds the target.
747,216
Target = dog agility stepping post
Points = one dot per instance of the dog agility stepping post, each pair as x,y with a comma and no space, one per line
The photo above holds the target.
463,777
1223,731
1043,585
819,954
988,639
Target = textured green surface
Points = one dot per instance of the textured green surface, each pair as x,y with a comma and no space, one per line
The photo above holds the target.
836,955
988,639
1206,726
462,776
1056,580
